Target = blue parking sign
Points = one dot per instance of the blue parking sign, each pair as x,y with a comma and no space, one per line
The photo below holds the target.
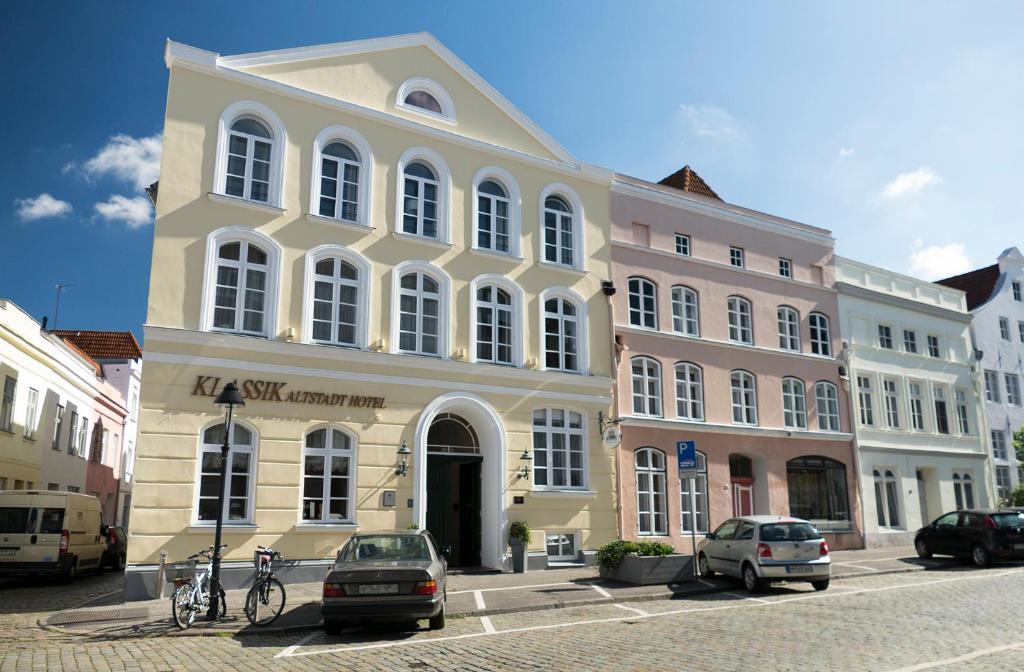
687,453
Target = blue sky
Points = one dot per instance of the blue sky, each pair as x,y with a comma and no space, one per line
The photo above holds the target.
895,125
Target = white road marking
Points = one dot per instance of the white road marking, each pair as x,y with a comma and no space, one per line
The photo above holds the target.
599,589
488,626
633,609
748,597
294,647
490,590
290,652
850,564
960,659
479,599
707,583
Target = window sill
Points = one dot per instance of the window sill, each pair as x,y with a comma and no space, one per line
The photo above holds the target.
564,493
492,254
340,223
420,239
574,270
241,202
326,527
200,528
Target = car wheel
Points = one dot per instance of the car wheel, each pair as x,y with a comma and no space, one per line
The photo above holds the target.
751,581
437,622
122,562
71,573
921,546
820,585
333,626
703,567
980,556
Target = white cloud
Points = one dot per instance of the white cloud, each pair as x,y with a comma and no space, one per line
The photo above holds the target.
710,121
846,151
908,184
134,212
40,207
132,160
938,261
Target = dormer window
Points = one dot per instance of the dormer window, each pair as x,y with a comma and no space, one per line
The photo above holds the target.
425,96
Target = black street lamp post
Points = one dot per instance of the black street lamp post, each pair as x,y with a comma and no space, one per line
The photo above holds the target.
228,398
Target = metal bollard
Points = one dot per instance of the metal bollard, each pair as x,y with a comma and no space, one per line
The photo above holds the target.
160,575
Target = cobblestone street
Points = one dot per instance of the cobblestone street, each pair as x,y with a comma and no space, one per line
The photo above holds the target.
947,618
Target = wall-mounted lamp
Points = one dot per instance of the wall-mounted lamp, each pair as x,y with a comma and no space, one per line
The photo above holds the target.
526,459
403,452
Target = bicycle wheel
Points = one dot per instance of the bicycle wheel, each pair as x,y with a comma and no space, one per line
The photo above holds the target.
265,602
182,609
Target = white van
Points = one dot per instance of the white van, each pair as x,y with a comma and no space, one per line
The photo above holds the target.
49,532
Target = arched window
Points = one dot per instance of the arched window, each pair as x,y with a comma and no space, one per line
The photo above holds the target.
240,293
689,391
741,328
794,404
496,211
249,146
817,491
339,182
963,491
646,373
744,398
337,284
419,214
425,96
821,337
887,498
789,329
643,303
699,510
564,320
422,300
423,100
559,449
241,475
651,505
685,311
826,398
494,320
328,476
561,218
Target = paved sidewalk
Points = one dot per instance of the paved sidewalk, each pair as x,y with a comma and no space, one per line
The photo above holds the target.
484,594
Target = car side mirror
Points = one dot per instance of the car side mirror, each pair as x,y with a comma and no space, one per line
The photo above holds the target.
711,535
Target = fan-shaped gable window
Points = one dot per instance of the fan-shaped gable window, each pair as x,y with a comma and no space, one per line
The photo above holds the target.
423,100
425,96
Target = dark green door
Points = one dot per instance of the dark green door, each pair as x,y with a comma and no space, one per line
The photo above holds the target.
453,506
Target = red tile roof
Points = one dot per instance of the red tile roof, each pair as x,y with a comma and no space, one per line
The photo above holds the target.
686,179
103,344
92,362
977,284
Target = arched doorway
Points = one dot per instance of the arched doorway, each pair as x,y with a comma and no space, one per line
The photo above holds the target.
741,480
453,488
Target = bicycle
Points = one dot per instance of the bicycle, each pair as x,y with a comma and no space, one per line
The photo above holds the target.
192,589
265,600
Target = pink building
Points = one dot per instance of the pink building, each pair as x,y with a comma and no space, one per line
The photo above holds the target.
728,335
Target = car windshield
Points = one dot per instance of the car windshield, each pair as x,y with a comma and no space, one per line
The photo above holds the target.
386,548
789,532
1009,519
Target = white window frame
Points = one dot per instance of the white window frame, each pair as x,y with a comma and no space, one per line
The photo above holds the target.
821,334
7,404
689,392
562,535
700,498
738,332
794,403
939,395
328,452
1013,393
278,145
444,189
992,390
518,301
252,450
910,341
918,404
363,288
785,267
1020,330
743,397
999,446
230,234
1002,484
865,401
31,413
1018,291
444,100
444,325
1004,328
649,381
826,400
656,479
933,340
891,402
645,290
577,215
549,432
358,143
789,328
737,254
884,332
963,421
683,245
684,301
887,482
582,334
515,206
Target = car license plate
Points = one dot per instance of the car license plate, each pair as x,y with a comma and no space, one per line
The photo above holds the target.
8,551
378,589
799,569
1016,547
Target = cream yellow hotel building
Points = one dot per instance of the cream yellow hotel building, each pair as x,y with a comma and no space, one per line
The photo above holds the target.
382,251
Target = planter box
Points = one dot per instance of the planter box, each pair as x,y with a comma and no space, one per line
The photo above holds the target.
649,570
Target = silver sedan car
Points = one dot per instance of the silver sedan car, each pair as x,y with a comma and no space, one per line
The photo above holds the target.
763,549
386,576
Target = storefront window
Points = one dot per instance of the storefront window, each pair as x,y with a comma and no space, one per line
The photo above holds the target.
327,478
817,490
240,470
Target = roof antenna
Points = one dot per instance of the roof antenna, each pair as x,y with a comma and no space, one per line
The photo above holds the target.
60,289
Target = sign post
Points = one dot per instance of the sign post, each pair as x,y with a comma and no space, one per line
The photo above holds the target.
686,451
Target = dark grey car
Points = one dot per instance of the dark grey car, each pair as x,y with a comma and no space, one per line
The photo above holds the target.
386,576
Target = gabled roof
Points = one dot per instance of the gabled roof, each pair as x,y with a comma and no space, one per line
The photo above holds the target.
102,344
686,179
978,284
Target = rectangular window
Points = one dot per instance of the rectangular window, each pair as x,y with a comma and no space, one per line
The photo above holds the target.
83,437
827,399
7,405
992,386
641,234
58,424
700,499
73,488
785,267
560,545
867,413
941,411
962,412
31,413
1004,328
916,407
892,404
682,244
1013,389
1017,295
1020,330
933,346
73,434
999,444
885,336
1003,482
53,486
736,256
558,449
910,341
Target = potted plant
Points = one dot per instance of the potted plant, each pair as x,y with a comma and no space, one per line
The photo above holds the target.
519,539
644,563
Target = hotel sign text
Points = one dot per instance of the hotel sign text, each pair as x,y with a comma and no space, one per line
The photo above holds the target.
269,390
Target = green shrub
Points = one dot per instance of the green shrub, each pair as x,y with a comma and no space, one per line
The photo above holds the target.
654,548
610,555
1015,498
520,529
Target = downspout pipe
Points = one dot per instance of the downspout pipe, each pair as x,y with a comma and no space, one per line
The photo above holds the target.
608,289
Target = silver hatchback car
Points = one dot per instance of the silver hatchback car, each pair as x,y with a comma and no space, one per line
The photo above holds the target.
762,549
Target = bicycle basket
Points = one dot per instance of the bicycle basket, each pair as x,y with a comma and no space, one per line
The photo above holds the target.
180,571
